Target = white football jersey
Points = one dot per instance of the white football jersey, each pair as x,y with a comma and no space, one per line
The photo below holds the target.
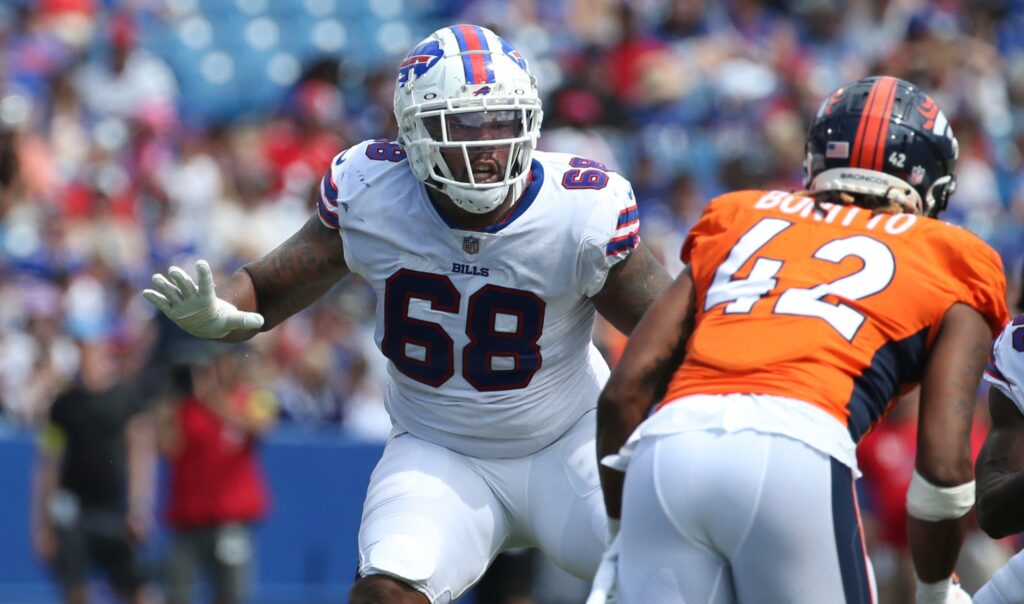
1006,368
487,332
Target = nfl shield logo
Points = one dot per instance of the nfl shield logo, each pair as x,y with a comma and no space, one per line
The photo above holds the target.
470,245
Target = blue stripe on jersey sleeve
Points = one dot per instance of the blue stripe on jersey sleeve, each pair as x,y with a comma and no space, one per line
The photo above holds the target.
628,215
330,190
621,244
326,214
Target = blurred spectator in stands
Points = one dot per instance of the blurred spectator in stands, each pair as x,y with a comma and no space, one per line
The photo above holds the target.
582,115
72,20
33,50
670,218
305,393
209,430
94,483
37,358
9,170
365,415
130,81
634,62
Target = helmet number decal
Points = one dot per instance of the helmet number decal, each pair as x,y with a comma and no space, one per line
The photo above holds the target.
503,325
879,267
897,159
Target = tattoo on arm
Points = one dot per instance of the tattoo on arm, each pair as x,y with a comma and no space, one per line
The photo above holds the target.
658,373
965,382
948,391
297,272
631,287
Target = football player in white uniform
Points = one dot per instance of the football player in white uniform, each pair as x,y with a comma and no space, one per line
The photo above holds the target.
1000,467
489,260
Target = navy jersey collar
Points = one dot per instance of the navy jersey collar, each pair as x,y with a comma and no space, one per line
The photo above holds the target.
524,203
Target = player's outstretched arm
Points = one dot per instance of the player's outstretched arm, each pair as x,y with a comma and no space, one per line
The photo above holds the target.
630,288
1000,469
295,274
655,349
942,488
259,295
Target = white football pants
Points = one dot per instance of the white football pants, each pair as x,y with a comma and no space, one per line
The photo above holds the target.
1006,586
436,519
711,517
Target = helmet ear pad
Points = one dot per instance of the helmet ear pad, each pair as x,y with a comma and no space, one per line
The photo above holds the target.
886,125
458,70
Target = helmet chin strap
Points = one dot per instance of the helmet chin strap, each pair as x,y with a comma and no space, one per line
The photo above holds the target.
475,201
481,201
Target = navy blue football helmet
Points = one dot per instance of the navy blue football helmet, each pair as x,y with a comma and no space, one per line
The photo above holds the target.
882,136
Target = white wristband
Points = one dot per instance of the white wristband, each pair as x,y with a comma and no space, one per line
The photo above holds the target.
931,503
933,592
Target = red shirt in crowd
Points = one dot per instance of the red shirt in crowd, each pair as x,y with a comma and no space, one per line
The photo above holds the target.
215,475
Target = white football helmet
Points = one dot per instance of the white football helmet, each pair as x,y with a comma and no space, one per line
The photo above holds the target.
460,89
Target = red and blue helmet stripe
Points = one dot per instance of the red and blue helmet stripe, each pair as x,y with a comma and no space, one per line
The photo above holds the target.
477,64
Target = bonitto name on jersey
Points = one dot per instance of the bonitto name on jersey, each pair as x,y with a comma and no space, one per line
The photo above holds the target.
469,269
830,213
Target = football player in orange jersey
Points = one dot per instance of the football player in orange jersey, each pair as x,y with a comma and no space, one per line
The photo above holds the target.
799,319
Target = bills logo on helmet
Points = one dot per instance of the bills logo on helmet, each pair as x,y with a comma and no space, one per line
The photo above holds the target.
419,60
482,90
513,54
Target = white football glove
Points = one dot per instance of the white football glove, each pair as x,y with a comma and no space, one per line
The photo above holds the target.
947,591
605,587
196,308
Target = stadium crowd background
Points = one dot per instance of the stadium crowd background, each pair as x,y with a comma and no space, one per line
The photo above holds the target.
136,134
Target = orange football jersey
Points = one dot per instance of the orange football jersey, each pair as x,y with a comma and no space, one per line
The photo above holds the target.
829,304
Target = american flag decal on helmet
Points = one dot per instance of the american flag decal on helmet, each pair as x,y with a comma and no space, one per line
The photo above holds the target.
837,150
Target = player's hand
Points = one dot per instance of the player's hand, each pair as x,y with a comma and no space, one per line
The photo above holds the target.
196,308
605,588
943,592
